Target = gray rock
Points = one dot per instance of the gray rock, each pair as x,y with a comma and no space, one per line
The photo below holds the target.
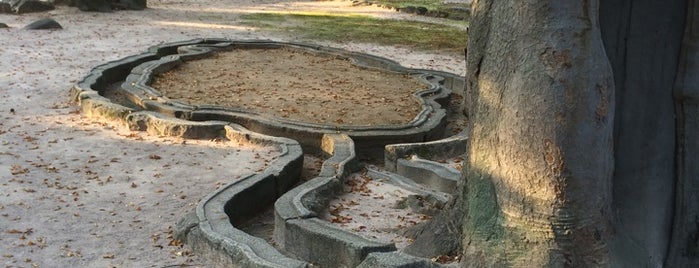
437,14
409,9
129,4
28,6
440,236
108,5
92,5
2,25
43,24
5,7
395,260
11,2
25,6
420,204
421,10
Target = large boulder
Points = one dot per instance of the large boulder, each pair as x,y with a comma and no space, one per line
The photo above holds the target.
10,2
27,6
129,4
5,7
92,5
24,6
108,5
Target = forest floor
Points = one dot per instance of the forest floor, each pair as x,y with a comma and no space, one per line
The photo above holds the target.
80,193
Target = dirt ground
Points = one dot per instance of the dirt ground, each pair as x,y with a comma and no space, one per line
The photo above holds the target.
370,208
81,193
295,85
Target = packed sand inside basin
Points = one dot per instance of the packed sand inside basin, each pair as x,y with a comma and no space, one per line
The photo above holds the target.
295,85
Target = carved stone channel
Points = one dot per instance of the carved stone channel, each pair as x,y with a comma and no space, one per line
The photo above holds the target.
121,90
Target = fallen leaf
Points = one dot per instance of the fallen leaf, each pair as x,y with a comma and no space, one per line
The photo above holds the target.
17,170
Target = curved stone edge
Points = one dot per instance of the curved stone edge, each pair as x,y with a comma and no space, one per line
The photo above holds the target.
139,80
396,260
428,125
298,230
429,173
310,198
453,146
87,91
95,106
408,184
327,245
211,231
146,96
160,125
396,155
218,238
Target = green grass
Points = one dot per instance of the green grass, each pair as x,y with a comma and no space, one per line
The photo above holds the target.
429,4
451,10
356,28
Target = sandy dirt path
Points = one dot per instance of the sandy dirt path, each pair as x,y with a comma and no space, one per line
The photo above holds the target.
78,193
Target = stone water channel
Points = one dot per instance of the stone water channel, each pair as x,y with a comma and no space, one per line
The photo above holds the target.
272,218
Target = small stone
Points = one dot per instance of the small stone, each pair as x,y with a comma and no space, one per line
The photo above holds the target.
43,24
437,14
2,25
409,9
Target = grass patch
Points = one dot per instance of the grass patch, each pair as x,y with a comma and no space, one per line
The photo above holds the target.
356,28
456,11
429,4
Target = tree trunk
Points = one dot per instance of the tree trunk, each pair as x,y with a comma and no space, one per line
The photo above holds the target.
642,40
684,247
540,159
539,184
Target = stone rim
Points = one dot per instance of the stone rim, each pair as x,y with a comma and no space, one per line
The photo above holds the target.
201,229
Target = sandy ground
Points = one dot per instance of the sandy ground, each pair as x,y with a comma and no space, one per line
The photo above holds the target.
76,193
370,208
295,85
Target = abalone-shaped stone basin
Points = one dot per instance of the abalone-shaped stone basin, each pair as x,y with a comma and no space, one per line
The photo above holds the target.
374,100
122,90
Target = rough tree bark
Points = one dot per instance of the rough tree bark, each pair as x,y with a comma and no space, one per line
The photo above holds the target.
684,246
565,168
642,40
540,159
559,173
